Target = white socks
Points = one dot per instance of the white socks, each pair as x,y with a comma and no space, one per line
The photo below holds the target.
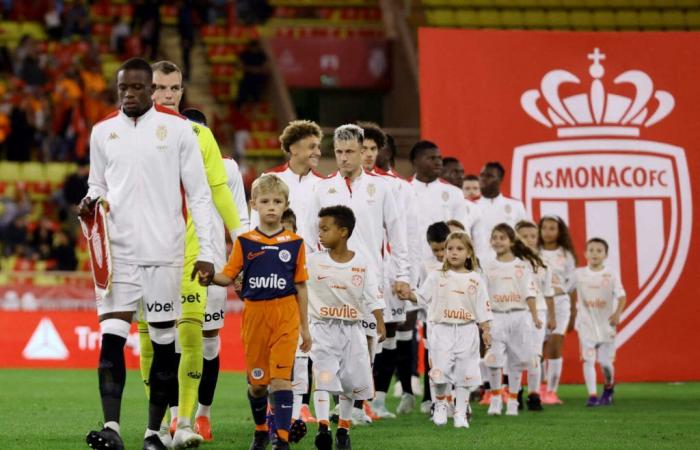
296,406
203,410
515,381
112,426
346,408
495,378
554,374
379,399
534,374
589,376
461,400
322,405
608,374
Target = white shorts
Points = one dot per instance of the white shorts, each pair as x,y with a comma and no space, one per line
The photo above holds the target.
538,334
300,375
157,288
395,311
511,337
341,359
454,354
215,308
603,352
369,325
562,314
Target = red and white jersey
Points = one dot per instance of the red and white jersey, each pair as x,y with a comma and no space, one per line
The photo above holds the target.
300,191
500,209
455,297
407,209
543,282
341,290
370,198
598,293
561,263
510,284
140,166
235,185
438,201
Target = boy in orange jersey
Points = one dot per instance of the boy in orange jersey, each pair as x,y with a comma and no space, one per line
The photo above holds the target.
342,289
273,263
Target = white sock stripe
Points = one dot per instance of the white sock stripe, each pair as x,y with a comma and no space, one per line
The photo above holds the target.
404,335
116,327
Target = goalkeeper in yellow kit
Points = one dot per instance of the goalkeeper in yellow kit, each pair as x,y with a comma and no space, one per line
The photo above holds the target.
168,91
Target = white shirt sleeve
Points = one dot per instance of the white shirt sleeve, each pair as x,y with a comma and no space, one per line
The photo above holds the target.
569,282
97,186
194,180
459,212
396,231
548,289
426,291
310,231
528,282
235,185
483,306
618,289
373,299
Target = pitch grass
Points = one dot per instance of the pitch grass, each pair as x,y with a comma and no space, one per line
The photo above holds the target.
53,409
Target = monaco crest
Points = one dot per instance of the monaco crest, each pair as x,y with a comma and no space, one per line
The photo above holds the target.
605,181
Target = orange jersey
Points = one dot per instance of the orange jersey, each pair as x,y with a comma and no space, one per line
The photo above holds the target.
271,265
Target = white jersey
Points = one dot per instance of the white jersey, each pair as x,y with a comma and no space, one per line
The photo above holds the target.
371,200
561,263
543,282
341,290
455,298
478,232
438,201
510,284
300,192
500,209
597,300
235,185
139,166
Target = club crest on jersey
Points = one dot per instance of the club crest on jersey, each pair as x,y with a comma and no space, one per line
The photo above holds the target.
257,373
285,256
371,190
445,196
357,280
605,181
161,132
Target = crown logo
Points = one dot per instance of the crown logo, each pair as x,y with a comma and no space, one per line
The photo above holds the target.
597,113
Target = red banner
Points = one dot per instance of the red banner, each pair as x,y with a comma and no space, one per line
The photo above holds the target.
71,339
329,62
602,130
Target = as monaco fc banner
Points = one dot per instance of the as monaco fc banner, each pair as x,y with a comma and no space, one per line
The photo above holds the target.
602,129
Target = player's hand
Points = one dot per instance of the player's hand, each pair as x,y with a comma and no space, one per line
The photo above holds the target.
551,322
536,320
87,207
305,340
238,284
614,319
205,271
381,332
486,337
402,289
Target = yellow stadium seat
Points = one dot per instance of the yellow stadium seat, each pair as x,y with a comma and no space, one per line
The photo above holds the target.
535,18
581,19
10,171
673,19
687,4
55,172
692,20
489,18
33,29
33,171
548,4
574,4
558,19
512,18
627,19
650,19
604,19
441,17
466,18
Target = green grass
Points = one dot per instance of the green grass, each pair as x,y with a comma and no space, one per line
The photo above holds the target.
53,409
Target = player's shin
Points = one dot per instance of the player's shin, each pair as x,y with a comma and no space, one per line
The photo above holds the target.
112,369
346,405
495,375
145,354
210,375
283,412
589,376
515,380
554,373
296,406
461,400
534,373
163,373
322,407
190,368
404,359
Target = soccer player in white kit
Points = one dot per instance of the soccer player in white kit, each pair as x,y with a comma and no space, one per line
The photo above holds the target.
342,285
140,157
559,255
512,290
599,304
397,347
456,301
301,142
495,207
527,232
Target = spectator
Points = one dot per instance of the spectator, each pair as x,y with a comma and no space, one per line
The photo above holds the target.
42,239
77,19
147,19
75,186
21,135
16,236
254,60
63,251
120,33
185,26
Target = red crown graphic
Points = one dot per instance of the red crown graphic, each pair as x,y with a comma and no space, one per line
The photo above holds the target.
597,113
